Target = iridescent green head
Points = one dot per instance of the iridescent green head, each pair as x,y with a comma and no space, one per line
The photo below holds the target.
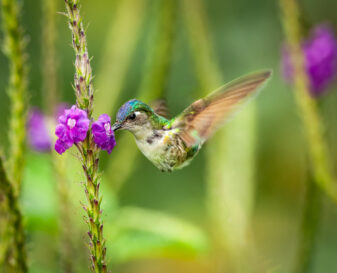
134,116
127,109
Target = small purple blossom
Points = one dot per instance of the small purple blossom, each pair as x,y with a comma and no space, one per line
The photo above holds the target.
104,137
37,131
320,51
72,128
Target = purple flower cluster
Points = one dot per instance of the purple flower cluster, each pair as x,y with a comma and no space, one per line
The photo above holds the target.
320,51
74,125
72,128
104,137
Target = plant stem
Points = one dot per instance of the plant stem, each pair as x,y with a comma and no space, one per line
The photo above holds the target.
307,107
14,49
159,54
230,191
207,70
49,63
65,211
321,168
51,99
14,233
309,226
88,152
119,46
153,85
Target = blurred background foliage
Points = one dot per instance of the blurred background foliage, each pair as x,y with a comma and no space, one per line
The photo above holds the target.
158,222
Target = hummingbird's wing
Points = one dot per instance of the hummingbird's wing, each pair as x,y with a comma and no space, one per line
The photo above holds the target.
159,106
203,117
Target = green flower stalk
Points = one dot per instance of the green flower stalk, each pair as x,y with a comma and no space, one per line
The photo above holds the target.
51,100
66,218
321,177
230,192
49,63
88,153
120,44
160,47
14,48
309,226
206,67
313,127
13,235
153,85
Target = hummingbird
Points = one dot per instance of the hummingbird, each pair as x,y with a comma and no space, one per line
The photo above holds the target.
171,144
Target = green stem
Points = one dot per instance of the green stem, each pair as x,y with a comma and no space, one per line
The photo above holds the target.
87,150
230,191
159,54
66,217
307,107
321,170
309,227
207,70
16,260
49,63
14,49
51,100
153,85
119,46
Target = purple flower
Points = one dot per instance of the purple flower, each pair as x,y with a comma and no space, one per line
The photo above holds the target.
72,128
61,107
320,52
104,137
37,132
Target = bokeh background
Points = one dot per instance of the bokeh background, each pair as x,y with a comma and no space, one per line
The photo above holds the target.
158,222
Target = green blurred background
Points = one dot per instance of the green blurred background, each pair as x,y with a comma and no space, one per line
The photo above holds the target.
245,36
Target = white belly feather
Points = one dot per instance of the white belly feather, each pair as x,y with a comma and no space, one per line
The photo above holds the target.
156,146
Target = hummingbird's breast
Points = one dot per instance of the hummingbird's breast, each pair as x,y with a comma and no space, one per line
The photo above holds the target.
163,148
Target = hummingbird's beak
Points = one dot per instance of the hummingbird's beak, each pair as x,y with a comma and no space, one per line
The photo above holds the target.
116,126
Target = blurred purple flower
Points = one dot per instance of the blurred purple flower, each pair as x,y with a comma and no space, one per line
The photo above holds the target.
320,51
104,137
61,107
37,132
72,128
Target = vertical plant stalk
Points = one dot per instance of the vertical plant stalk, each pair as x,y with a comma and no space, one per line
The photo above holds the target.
66,218
88,153
159,54
49,63
313,126
51,99
153,85
309,227
118,49
14,233
230,191
14,49
206,68
321,168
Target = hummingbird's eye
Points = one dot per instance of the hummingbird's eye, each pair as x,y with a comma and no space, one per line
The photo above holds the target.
132,116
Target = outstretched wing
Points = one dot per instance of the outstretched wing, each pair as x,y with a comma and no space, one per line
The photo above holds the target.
202,118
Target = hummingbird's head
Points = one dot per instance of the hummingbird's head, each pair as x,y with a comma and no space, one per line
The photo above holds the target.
133,116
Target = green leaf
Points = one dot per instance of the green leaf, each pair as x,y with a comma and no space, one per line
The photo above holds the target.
141,233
